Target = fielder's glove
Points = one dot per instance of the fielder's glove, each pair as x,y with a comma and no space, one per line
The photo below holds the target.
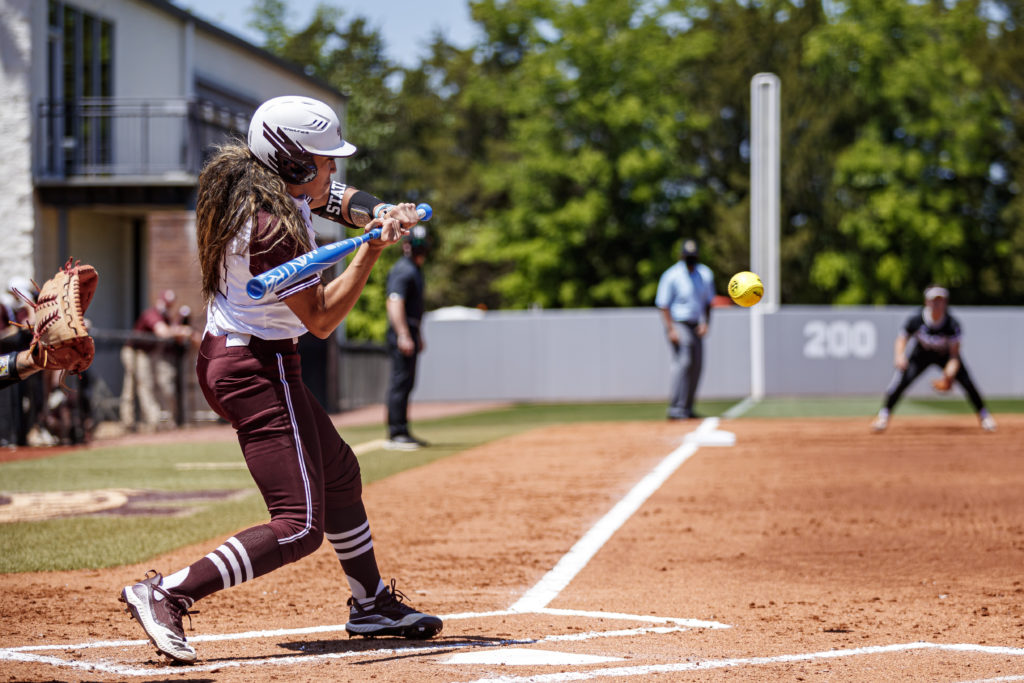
942,383
60,340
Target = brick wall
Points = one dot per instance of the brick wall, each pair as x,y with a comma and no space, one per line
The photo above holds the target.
172,261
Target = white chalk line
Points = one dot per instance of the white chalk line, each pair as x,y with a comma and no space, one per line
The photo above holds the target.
369,446
22,654
710,664
310,630
548,588
533,602
740,408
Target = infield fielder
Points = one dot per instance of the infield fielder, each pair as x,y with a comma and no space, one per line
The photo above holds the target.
936,336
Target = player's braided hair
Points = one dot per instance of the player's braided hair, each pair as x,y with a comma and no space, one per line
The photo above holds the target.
233,187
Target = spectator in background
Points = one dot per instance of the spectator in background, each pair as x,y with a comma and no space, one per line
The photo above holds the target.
685,293
147,373
404,337
185,338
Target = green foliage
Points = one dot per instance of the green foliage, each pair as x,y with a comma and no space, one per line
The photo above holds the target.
571,149
911,197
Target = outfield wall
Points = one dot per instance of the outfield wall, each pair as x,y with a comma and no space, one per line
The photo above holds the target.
622,354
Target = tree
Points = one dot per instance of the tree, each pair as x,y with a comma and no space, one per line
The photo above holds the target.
589,168
912,196
569,151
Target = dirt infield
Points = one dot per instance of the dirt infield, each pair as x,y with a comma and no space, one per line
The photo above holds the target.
810,550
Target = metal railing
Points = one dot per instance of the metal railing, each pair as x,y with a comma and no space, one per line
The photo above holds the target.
102,137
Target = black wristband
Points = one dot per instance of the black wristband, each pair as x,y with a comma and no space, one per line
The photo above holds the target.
360,208
9,366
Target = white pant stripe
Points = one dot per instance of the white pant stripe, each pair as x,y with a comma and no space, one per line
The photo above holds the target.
298,455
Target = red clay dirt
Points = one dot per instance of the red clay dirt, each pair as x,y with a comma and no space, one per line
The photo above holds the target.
831,553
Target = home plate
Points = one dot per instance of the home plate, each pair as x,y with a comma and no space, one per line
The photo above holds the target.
526,657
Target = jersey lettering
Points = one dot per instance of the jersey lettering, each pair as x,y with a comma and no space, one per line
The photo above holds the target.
334,198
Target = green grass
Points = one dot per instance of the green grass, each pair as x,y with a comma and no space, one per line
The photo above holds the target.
868,406
105,541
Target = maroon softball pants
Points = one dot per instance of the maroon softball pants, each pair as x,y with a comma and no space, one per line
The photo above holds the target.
304,469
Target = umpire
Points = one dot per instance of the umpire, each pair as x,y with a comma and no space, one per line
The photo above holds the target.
405,339
684,296
937,342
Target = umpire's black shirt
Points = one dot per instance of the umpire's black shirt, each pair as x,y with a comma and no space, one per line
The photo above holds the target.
406,280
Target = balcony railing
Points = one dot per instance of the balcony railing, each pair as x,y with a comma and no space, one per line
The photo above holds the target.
162,138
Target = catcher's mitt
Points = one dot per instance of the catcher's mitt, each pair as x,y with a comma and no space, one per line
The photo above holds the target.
942,383
60,340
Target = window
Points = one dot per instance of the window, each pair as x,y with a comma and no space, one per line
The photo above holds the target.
80,67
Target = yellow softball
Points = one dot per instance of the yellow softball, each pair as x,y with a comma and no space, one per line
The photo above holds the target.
745,288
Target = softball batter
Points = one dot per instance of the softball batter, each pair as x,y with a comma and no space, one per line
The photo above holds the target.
936,336
253,213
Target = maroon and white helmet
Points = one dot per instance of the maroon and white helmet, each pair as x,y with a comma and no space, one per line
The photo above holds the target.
285,133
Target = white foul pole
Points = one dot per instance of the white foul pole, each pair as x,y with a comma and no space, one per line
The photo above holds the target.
764,213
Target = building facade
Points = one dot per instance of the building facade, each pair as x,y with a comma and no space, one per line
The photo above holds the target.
109,109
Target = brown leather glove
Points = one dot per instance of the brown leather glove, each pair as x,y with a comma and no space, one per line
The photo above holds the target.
60,340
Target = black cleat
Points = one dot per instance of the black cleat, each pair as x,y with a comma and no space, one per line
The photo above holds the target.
390,616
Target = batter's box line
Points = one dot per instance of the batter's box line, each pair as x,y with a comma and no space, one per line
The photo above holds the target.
334,628
27,654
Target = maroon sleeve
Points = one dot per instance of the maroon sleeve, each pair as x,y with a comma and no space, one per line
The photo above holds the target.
148,320
267,251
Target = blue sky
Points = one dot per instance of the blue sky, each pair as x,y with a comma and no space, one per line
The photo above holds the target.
405,25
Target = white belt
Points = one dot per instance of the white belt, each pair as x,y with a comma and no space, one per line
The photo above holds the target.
239,339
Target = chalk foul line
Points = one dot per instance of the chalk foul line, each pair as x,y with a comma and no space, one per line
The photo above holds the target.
548,588
711,664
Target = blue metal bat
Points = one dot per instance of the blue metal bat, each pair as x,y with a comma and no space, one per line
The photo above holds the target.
315,261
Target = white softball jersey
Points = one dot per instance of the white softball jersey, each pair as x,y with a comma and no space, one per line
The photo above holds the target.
250,253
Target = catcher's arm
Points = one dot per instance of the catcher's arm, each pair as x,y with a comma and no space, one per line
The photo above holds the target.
16,366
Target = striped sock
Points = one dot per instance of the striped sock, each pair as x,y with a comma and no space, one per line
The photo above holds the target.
251,553
354,549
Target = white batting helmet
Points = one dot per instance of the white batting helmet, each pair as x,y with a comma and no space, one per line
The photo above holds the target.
285,133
